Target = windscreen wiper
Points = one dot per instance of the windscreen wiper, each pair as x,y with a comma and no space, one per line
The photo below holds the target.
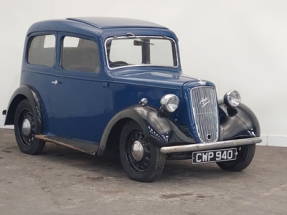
131,34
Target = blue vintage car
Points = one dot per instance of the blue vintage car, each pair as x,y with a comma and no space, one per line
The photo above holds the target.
98,84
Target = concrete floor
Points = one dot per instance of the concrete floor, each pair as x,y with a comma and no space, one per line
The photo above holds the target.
63,181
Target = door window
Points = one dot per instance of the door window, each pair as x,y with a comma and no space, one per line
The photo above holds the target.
80,55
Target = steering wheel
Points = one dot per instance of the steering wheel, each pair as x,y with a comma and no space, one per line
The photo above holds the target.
118,63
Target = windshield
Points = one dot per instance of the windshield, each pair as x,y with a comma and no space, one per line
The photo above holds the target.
141,51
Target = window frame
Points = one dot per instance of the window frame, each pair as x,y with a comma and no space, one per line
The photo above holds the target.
149,65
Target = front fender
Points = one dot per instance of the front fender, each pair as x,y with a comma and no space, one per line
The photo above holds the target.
159,130
24,92
237,123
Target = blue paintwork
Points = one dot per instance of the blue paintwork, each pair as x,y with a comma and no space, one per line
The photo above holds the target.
84,106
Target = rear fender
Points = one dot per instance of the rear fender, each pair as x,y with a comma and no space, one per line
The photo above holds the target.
24,92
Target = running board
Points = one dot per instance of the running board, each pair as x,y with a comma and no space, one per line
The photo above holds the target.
88,148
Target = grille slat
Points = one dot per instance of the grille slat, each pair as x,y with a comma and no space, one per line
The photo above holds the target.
205,113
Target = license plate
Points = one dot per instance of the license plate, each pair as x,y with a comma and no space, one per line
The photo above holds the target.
218,155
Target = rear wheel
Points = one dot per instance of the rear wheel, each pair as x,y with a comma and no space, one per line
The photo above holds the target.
141,160
244,158
26,126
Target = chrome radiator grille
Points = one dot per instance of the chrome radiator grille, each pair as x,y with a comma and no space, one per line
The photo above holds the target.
205,113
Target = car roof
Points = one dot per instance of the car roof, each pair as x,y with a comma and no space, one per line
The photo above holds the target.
114,22
101,27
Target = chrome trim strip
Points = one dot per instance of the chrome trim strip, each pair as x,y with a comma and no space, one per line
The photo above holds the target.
106,53
208,146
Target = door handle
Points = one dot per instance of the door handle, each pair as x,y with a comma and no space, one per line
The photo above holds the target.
55,82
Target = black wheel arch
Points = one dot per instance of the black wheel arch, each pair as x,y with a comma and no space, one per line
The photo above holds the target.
236,123
158,129
21,93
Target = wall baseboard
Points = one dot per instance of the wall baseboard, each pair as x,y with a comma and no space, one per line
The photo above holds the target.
267,140
5,126
274,140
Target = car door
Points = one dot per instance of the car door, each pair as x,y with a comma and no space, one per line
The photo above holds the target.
79,102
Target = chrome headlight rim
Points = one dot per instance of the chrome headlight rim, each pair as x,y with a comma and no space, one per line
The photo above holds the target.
232,98
169,102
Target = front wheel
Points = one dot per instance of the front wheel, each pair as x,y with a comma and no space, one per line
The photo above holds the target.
141,160
244,158
26,126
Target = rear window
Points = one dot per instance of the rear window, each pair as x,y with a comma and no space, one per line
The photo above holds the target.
42,50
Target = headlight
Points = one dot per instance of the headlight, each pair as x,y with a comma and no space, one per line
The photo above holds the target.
169,102
232,98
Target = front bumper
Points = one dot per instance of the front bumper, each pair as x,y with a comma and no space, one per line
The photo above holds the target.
208,146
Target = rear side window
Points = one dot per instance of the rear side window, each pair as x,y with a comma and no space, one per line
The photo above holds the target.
80,55
42,50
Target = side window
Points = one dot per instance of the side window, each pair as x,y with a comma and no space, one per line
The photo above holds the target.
80,55
42,50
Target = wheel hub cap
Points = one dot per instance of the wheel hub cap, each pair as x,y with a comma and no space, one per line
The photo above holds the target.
137,150
26,127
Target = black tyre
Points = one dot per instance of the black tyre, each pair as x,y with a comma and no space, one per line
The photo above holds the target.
26,126
141,160
244,158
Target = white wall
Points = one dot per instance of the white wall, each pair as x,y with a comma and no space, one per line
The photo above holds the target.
236,44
